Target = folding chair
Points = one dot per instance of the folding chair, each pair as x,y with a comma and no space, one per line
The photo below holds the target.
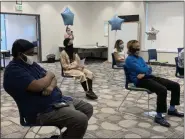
24,123
131,87
113,66
66,76
152,58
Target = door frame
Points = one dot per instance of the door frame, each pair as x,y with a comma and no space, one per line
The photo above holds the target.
39,31
5,32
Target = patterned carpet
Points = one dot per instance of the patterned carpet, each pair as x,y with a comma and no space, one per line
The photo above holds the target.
107,121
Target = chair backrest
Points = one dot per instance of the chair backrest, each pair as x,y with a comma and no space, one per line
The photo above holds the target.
176,64
21,117
179,49
126,76
152,54
113,60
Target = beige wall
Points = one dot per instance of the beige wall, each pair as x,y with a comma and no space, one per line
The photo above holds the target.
88,23
52,26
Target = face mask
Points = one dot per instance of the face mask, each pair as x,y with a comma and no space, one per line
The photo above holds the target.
121,46
68,32
135,51
29,59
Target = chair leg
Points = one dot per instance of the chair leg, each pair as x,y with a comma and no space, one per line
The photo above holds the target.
26,132
38,131
123,100
139,97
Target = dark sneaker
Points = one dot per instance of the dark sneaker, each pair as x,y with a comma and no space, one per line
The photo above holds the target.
175,113
55,137
91,95
161,121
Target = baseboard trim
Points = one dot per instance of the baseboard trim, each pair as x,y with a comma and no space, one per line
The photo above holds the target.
95,58
87,58
168,65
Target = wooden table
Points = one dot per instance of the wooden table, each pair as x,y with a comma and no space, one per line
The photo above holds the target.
82,50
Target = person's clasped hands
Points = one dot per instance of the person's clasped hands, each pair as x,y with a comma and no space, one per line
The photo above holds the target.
49,89
140,76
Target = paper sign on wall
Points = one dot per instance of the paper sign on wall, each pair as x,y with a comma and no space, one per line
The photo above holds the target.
18,7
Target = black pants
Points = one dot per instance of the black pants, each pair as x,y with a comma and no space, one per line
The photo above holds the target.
160,87
74,118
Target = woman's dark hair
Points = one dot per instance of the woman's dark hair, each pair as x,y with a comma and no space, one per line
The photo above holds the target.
69,49
117,45
66,42
67,28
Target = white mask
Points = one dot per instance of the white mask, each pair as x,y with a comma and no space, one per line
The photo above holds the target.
121,46
69,32
137,53
29,60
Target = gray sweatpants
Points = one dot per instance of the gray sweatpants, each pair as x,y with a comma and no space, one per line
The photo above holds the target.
74,118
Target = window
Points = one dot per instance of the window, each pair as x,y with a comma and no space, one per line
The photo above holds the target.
3,33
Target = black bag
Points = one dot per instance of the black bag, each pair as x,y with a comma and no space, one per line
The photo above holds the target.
51,58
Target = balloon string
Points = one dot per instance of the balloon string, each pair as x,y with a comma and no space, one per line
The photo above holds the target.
115,35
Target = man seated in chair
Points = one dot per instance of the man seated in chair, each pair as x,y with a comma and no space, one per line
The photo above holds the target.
71,65
141,75
39,99
181,62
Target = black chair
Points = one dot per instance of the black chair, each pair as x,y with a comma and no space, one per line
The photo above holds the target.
24,123
152,55
131,87
113,61
152,58
113,66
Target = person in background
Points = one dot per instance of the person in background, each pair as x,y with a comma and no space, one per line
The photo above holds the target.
141,75
119,53
71,66
181,62
69,34
39,99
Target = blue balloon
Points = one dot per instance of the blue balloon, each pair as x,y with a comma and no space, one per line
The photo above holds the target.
115,23
68,17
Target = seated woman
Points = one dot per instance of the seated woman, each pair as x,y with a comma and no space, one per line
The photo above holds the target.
141,75
69,34
119,53
181,62
71,65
